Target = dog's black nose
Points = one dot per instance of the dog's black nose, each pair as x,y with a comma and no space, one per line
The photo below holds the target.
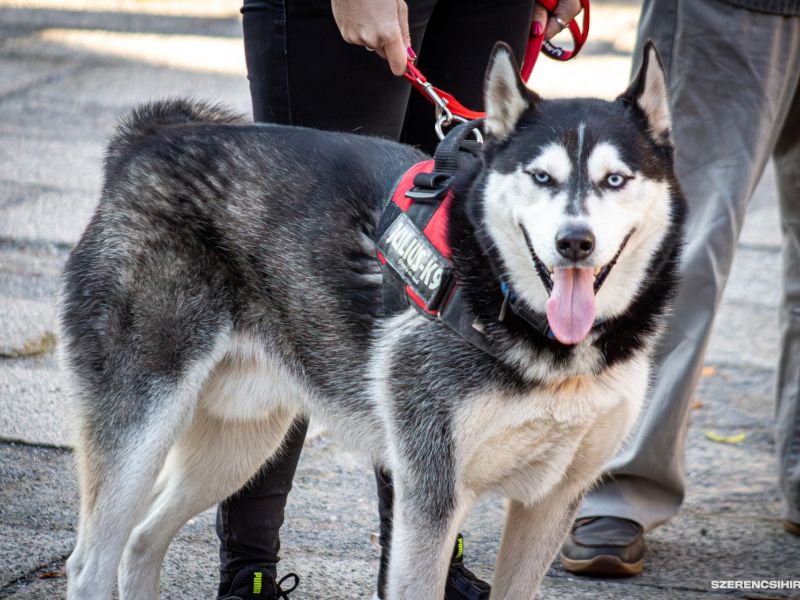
574,242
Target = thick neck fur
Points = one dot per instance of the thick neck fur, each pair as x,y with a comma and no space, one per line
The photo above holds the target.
613,341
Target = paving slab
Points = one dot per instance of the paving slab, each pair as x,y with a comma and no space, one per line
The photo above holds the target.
326,537
29,271
32,213
755,268
23,549
33,404
765,194
734,396
762,226
736,323
123,86
209,9
27,329
31,20
65,164
38,496
593,589
16,76
43,117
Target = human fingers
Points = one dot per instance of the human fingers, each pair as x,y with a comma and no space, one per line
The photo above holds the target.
395,50
539,19
565,11
365,22
402,19
376,24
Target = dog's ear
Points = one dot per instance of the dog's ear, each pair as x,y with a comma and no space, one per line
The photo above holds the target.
648,92
505,94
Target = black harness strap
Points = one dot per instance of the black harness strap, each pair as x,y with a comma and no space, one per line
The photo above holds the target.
428,191
453,147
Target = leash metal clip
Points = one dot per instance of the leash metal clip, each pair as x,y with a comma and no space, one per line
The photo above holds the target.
444,121
444,117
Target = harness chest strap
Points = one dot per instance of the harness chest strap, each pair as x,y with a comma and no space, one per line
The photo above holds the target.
415,254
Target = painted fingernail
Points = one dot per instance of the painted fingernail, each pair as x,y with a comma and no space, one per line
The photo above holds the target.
411,54
537,29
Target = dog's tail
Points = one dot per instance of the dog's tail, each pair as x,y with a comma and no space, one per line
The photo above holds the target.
148,119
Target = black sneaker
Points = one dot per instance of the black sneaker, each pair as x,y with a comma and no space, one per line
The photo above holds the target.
463,584
258,583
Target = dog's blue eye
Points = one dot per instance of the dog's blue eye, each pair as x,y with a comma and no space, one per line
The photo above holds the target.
542,177
615,180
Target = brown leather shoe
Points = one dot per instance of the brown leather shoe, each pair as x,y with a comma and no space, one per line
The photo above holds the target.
792,527
604,547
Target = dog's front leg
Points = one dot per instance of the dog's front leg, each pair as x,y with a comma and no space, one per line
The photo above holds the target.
533,535
425,524
417,409
535,531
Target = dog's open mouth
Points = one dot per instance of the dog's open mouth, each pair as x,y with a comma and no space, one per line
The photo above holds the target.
572,290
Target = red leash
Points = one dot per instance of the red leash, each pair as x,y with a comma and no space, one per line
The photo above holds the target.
448,108
535,45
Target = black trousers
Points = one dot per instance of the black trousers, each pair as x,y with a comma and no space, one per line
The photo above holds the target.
301,72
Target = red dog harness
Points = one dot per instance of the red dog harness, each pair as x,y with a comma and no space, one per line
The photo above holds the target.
417,247
413,246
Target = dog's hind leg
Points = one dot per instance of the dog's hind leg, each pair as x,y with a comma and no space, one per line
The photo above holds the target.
115,484
212,460
126,430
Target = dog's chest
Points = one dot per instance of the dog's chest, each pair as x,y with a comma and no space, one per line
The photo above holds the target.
524,461
523,446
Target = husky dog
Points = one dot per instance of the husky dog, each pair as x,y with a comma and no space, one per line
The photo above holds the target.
228,282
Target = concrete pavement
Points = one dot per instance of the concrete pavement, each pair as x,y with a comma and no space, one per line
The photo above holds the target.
68,70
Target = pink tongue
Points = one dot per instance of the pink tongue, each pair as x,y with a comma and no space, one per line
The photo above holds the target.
570,309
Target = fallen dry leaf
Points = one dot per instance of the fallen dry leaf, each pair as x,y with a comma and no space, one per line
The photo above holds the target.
34,347
726,439
51,574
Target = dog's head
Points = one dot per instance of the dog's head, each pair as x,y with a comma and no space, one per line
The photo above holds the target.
577,194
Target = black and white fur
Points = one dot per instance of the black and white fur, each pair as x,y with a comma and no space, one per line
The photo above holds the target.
228,282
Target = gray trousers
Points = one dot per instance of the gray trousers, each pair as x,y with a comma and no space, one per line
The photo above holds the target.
734,81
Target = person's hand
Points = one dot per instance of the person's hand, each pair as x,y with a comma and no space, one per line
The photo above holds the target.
379,25
566,10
